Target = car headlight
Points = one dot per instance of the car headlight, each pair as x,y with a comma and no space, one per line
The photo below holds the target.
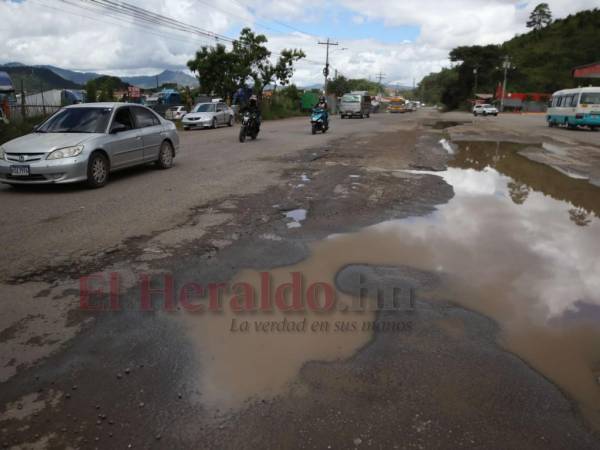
67,152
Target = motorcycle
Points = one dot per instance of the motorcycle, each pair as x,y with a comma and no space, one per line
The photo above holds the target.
249,126
319,120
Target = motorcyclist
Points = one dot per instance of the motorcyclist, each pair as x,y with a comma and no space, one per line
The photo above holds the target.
252,108
322,104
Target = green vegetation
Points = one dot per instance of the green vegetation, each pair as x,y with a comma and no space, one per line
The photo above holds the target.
342,85
14,130
540,17
283,103
102,89
222,72
541,61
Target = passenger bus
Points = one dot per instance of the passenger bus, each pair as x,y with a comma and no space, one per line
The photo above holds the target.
575,107
397,105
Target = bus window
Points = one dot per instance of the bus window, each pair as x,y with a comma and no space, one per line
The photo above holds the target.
558,101
574,99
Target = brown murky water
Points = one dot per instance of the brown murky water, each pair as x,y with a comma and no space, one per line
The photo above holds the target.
519,243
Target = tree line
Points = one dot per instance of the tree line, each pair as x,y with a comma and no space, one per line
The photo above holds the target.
540,60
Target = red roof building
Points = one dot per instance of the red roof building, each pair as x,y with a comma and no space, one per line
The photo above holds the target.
587,71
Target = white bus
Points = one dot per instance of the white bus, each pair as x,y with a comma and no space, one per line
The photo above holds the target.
575,107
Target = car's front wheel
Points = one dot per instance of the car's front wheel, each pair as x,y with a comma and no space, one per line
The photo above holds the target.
165,156
97,172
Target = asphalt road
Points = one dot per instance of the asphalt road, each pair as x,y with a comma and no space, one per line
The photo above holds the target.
137,379
51,225
56,224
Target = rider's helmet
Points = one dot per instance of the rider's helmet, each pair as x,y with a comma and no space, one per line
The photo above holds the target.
253,99
322,99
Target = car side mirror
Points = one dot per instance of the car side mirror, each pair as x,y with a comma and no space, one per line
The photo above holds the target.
36,127
117,128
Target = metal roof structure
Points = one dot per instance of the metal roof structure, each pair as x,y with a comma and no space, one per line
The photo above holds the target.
588,71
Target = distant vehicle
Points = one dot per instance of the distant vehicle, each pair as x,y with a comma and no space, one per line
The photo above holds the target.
411,106
319,120
357,103
162,101
86,142
575,107
208,115
397,105
485,110
175,112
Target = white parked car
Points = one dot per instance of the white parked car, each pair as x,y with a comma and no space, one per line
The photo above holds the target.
205,115
175,113
485,110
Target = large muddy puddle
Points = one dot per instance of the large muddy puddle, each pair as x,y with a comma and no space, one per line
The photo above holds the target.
519,242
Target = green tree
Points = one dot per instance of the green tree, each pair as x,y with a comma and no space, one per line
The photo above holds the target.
91,94
221,71
292,93
217,70
540,17
338,86
254,61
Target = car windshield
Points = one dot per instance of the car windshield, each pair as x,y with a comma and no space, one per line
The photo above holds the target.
590,97
486,106
205,107
351,98
77,120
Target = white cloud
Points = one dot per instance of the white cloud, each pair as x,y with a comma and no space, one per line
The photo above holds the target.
52,34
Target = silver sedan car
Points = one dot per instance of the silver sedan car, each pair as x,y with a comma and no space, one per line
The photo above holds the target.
205,115
86,142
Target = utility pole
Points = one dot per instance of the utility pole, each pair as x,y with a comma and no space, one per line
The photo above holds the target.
23,109
475,73
326,69
380,76
506,65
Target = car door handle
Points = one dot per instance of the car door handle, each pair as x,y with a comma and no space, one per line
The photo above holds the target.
139,138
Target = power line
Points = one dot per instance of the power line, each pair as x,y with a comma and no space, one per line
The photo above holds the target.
128,10
119,22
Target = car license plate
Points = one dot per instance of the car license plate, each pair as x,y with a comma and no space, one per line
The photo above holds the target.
19,171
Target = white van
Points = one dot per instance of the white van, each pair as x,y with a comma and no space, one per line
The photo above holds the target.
575,107
357,103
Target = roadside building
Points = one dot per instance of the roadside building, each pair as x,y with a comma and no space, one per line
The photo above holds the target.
587,71
523,101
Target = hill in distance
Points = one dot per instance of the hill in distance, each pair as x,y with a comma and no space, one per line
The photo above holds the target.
36,79
74,79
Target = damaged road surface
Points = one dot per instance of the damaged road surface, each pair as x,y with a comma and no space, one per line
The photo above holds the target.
402,282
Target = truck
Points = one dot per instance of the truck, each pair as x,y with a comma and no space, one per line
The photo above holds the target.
161,101
47,102
356,103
